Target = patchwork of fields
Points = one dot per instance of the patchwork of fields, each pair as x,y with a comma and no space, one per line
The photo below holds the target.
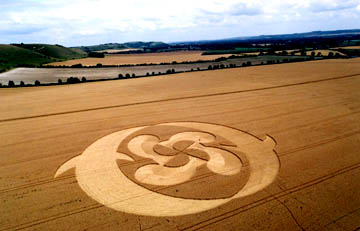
309,111
51,75
156,58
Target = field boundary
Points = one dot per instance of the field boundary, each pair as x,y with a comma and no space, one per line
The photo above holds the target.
178,98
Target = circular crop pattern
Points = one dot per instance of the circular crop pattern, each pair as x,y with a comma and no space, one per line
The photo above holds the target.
174,169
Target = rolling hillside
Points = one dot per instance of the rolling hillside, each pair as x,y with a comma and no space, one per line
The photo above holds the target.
120,46
33,55
12,56
55,51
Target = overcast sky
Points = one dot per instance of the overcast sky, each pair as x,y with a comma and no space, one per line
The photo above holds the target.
87,22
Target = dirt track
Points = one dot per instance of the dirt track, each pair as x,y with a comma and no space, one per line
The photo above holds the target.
310,109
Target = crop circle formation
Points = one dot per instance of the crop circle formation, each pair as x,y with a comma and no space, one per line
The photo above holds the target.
174,169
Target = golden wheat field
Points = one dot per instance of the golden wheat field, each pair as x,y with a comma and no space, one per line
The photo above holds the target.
156,58
349,47
117,50
273,147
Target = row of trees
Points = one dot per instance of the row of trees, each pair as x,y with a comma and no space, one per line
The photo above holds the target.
22,84
127,75
221,66
69,80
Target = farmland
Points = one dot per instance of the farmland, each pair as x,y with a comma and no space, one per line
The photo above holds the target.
110,51
349,47
51,75
164,57
310,109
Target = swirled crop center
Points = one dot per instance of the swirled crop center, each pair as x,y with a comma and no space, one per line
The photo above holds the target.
176,160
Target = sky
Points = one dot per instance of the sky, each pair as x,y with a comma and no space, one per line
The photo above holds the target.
91,22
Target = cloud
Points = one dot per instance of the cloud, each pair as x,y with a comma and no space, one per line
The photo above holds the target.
333,5
81,22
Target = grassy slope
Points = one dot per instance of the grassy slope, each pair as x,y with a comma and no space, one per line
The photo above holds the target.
34,55
12,56
55,51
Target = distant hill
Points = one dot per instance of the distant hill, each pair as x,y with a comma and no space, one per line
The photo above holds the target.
120,46
32,55
54,51
13,56
313,34
269,38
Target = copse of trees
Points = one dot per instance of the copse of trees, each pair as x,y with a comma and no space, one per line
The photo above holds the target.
11,83
37,83
72,80
170,71
96,55
248,63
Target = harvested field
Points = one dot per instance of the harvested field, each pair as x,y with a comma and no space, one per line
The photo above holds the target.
51,75
107,155
350,47
165,57
117,51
